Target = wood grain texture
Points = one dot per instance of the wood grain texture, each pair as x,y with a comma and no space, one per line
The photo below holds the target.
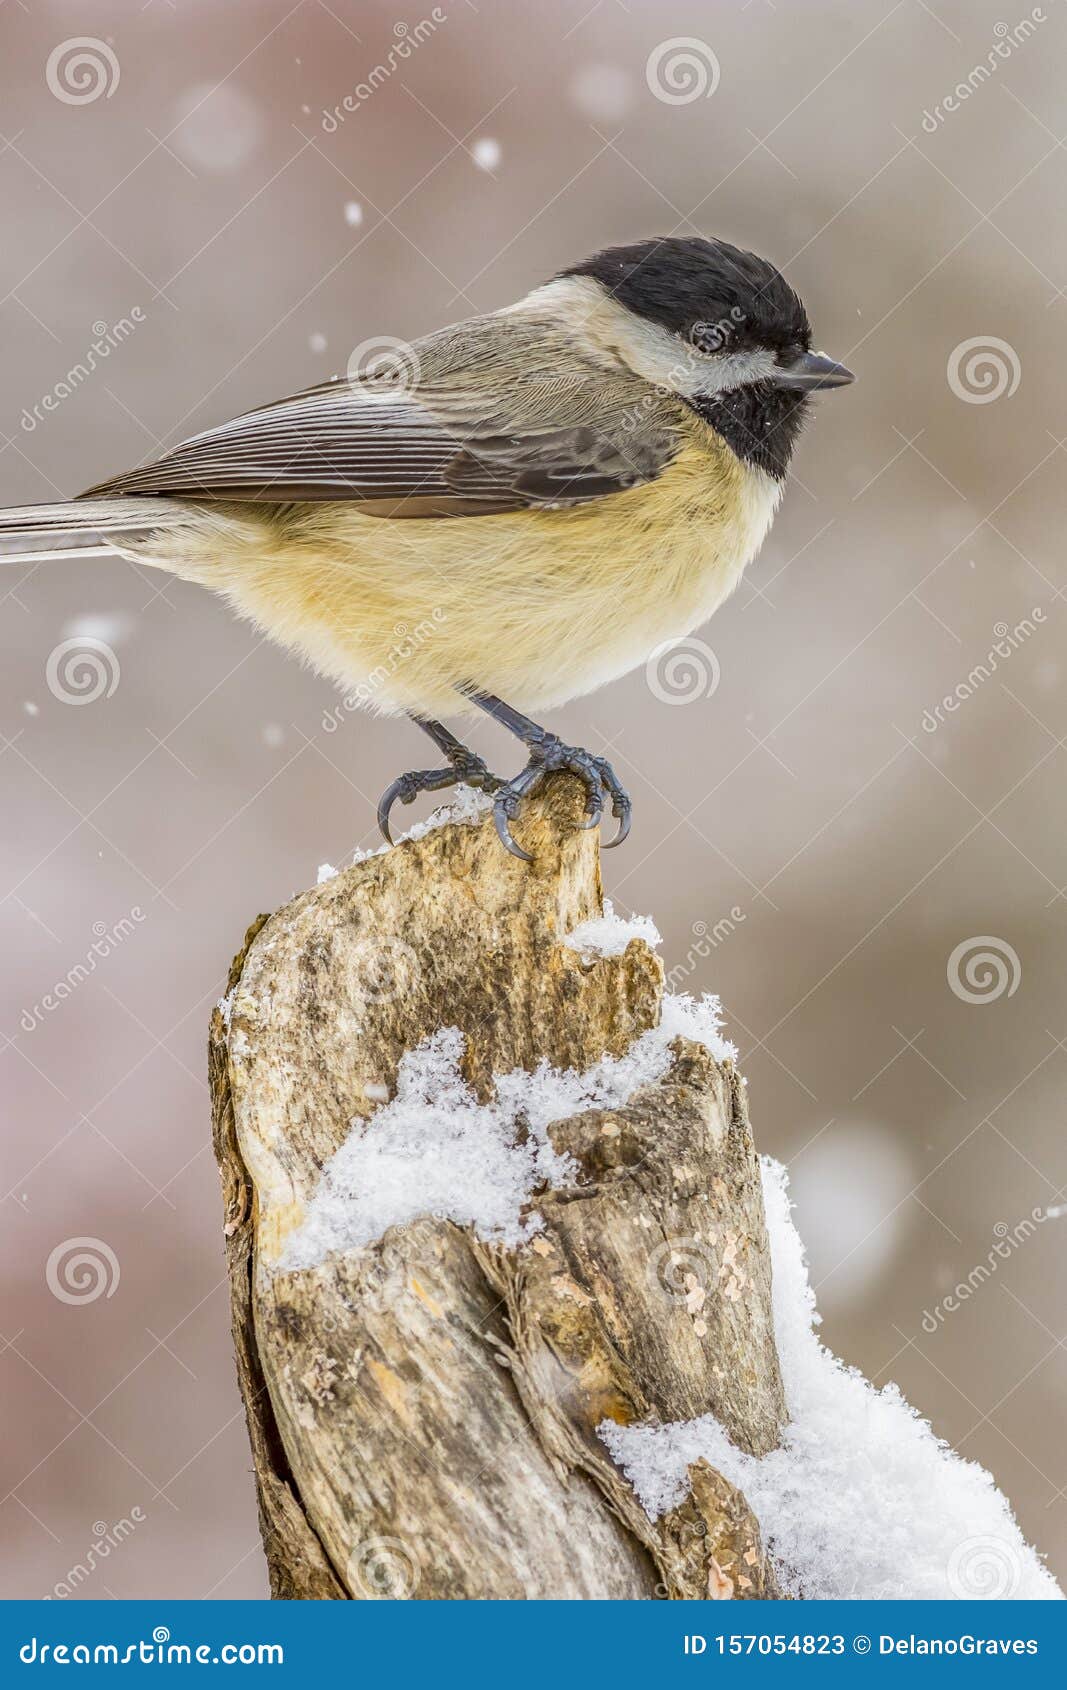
423,1412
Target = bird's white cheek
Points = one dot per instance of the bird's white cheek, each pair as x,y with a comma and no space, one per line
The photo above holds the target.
669,363
657,356
727,370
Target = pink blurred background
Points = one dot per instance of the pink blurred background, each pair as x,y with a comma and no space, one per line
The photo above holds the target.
232,242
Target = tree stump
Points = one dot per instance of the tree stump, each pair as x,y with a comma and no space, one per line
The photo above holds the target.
423,1412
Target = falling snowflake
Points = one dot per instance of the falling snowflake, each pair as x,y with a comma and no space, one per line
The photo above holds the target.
486,153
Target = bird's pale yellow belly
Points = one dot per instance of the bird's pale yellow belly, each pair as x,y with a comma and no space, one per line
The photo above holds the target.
537,607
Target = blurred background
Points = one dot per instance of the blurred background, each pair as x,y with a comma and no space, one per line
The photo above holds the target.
873,880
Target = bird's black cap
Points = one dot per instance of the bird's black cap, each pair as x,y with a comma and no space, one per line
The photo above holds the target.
697,287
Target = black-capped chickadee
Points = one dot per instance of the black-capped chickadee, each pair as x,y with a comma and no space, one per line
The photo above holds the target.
545,494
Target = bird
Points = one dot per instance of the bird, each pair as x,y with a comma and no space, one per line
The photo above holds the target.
543,494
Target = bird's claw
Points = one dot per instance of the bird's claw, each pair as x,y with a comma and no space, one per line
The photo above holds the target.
406,788
402,789
506,807
547,757
502,817
621,806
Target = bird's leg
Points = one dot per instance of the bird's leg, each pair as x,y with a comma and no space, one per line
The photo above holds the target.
463,765
548,754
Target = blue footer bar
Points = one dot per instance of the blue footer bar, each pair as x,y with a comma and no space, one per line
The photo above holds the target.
510,1645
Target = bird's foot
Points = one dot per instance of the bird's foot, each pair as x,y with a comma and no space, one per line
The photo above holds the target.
549,755
464,766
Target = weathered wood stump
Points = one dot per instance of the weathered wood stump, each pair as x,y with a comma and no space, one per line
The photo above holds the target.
423,1411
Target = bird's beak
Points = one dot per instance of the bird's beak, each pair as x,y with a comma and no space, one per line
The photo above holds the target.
811,371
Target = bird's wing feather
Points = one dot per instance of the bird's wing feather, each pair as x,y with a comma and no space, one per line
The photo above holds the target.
496,414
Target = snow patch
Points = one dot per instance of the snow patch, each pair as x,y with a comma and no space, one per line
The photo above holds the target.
468,805
609,934
862,1500
435,1149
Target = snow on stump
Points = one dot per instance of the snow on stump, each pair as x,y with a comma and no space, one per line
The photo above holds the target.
486,1194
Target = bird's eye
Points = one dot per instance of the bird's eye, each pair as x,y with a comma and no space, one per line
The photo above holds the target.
708,338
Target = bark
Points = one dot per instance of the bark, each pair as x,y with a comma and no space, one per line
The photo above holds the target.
423,1412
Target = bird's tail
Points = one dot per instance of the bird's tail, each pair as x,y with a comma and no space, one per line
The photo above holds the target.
86,528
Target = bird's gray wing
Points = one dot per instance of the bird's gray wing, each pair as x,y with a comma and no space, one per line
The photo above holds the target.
494,415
